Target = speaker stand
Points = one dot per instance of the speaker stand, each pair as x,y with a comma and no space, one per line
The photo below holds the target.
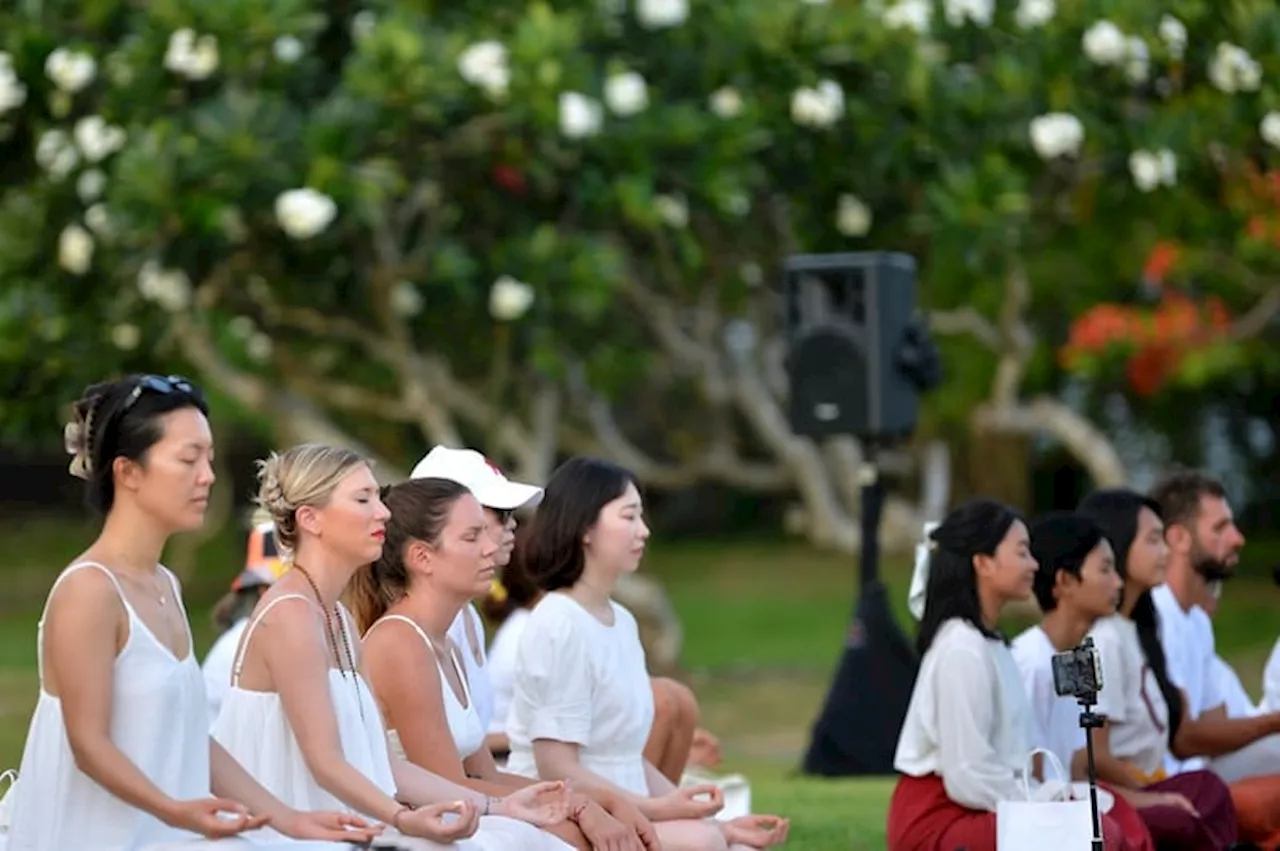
857,732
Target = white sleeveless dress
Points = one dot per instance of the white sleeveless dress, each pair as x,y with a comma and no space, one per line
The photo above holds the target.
496,833
159,721
252,726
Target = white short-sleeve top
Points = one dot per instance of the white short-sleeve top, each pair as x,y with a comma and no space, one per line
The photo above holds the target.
579,680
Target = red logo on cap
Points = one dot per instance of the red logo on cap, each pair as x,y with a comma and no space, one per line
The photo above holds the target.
494,467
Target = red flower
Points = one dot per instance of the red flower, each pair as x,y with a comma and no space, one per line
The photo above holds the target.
1159,262
510,178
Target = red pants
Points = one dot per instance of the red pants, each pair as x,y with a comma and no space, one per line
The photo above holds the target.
1175,829
923,818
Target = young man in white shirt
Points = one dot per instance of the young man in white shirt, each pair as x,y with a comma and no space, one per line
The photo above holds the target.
1076,585
1204,548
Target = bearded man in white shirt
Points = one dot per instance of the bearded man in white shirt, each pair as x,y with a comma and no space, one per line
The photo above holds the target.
1204,548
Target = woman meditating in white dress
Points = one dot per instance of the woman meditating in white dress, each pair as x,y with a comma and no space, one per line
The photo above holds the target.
299,713
439,553
118,755
582,705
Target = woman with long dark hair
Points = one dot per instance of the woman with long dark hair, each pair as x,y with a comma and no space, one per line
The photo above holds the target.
966,739
582,708
1148,722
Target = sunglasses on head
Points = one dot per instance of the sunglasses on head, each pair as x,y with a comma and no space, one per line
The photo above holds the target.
161,384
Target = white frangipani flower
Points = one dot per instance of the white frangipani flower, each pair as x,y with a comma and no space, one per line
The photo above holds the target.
979,12
169,288
726,102
915,15
287,49
362,25
673,210
1137,61
406,301
485,66
626,94
90,184
70,70
1152,169
98,218
258,347
242,327
1233,70
1105,44
192,56
853,216
75,249
1269,129
303,213
1034,13
580,116
1056,134
509,299
1174,35
125,336
97,139
818,107
657,14
13,93
57,154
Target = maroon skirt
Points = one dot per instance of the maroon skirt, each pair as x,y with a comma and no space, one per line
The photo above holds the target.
922,818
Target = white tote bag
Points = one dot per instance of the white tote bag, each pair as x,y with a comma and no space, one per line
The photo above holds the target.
1043,821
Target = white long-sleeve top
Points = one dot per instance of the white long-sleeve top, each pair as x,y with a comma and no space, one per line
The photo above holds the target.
969,721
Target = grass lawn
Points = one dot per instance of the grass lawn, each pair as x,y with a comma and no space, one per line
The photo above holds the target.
764,624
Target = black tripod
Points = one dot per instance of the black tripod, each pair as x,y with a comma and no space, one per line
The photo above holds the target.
1090,721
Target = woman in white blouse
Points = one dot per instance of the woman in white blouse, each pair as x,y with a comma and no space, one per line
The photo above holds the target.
966,737
582,706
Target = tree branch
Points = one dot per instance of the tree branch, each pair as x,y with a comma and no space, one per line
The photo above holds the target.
1258,318
298,420
965,320
1046,415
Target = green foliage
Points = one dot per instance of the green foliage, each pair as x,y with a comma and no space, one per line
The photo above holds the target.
447,145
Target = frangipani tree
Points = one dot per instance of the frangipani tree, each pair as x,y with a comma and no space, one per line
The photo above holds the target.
555,228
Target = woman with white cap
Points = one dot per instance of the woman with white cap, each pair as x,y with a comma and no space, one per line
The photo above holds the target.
492,675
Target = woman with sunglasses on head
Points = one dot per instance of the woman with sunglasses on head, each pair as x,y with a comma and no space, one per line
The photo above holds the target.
118,755
299,713
583,706
439,555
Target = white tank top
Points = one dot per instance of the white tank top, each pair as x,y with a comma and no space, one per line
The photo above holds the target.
252,726
465,725
159,720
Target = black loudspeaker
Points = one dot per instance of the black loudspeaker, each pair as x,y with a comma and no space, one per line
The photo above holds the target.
859,355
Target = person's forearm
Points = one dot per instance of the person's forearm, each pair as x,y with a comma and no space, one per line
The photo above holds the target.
1107,768
596,787
229,779
419,787
498,743
349,785
1213,737
107,765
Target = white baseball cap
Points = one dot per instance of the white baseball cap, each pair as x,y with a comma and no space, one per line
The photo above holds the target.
480,475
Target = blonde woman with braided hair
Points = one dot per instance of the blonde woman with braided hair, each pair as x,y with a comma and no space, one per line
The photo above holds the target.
299,712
